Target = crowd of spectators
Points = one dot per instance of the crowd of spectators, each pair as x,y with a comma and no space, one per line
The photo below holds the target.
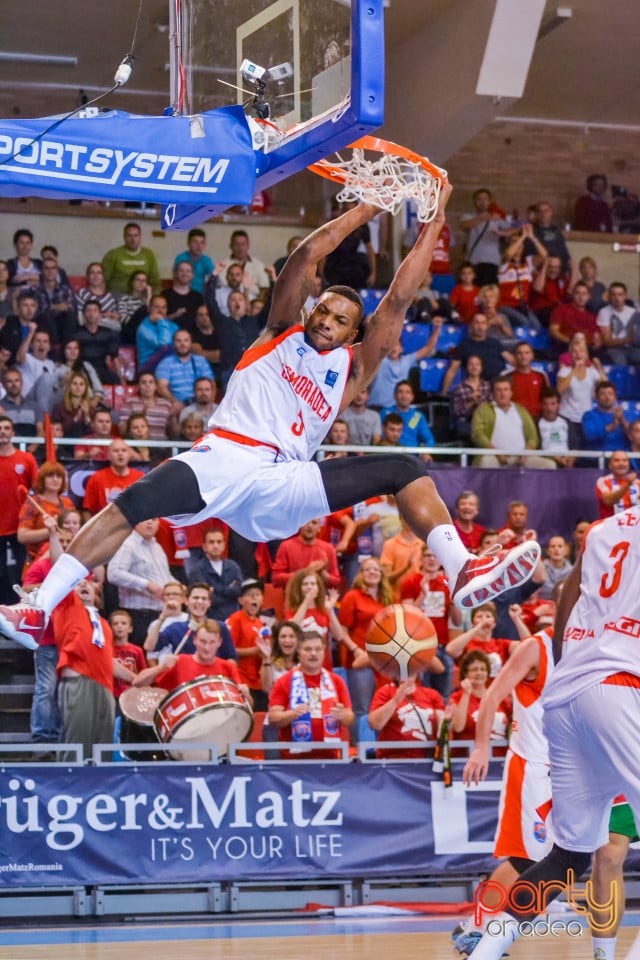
175,604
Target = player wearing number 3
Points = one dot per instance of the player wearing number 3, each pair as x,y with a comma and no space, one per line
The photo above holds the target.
591,709
253,468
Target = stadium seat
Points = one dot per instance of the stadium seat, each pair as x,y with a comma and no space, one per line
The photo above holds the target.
633,383
443,282
432,373
371,300
116,395
539,339
619,377
340,672
549,367
256,736
631,409
364,730
414,336
450,337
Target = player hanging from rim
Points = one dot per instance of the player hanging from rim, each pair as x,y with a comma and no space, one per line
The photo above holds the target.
526,788
253,469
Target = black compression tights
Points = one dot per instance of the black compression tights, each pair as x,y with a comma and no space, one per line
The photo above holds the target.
349,480
172,487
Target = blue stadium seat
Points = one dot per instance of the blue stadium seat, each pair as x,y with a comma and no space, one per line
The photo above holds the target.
364,730
340,672
432,373
619,377
414,336
633,383
539,339
450,337
371,300
550,367
631,409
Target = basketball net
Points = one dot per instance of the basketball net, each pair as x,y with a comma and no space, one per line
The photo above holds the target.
389,180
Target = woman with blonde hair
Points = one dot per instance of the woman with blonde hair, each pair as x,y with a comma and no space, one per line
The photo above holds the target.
308,604
370,593
578,377
74,410
41,508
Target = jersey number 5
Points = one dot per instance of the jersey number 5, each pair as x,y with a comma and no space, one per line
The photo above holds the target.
297,427
611,580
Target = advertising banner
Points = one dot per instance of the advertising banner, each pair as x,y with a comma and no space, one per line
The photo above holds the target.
120,156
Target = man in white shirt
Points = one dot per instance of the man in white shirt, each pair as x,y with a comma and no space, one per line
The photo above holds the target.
618,324
35,363
365,428
501,424
554,429
140,570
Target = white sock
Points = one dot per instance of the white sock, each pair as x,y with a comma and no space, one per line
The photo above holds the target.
64,575
604,948
449,549
497,938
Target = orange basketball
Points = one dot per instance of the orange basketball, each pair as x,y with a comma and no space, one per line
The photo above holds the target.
401,641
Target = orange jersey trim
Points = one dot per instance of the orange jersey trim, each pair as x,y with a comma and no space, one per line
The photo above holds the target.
254,353
239,438
623,679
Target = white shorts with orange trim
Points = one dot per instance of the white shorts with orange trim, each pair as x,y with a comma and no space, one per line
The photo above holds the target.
521,831
248,486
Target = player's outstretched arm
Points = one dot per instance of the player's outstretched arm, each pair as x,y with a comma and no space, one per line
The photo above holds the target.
384,328
296,277
525,659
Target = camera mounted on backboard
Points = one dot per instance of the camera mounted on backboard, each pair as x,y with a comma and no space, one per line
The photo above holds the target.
258,77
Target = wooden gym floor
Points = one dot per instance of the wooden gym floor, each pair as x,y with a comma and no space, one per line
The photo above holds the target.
358,938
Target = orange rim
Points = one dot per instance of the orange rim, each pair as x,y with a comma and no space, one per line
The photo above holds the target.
325,168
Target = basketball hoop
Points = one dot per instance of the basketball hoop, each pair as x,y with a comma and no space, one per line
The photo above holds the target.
396,175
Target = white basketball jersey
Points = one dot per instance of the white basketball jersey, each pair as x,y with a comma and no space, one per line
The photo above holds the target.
286,394
527,738
602,634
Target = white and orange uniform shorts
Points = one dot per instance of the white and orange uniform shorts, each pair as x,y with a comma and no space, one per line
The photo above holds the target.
521,831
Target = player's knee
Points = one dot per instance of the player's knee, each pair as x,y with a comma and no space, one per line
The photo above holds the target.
404,470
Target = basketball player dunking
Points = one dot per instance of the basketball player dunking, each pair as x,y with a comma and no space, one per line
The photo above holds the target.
253,468
591,708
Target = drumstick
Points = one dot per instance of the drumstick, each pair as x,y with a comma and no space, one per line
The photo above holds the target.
183,641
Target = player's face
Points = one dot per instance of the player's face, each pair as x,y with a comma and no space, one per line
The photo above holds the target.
207,645
333,322
468,508
311,655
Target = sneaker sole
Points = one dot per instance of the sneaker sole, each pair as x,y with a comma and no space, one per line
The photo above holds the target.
8,630
511,572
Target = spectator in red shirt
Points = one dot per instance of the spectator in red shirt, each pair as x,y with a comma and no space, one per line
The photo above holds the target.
245,626
480,637
308,604
526,383
17,469
178,668
102,428
464,296
569,318
310,704
516,530
305,551
47,499
105,485
467,509
406,711
123,650
618,490
464,704
549,288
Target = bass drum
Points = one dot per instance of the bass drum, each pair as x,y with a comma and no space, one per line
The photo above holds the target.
138,706
206,710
